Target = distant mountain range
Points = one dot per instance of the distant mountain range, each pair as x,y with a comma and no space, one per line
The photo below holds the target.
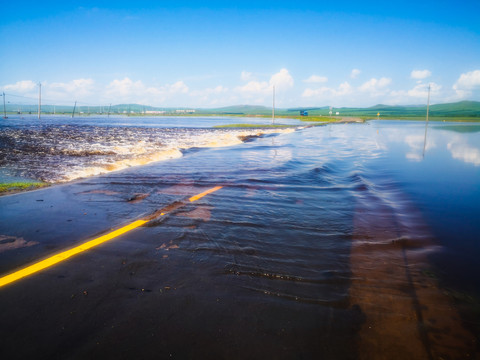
457,109
460,109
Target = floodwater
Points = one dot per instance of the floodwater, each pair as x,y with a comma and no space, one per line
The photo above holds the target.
58,149
344,241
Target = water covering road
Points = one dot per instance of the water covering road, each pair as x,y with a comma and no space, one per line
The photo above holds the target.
323,242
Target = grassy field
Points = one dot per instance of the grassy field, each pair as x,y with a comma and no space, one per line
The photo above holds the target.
461,111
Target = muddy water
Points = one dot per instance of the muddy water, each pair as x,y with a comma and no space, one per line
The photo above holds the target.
336,242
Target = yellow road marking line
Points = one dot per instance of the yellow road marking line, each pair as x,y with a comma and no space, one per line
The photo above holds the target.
55,259
209,191
52,260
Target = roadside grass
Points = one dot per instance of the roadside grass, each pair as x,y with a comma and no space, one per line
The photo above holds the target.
324,119
253,126
20,186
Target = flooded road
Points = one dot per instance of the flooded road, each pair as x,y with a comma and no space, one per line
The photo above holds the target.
320,243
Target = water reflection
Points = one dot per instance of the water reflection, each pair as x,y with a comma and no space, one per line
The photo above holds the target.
426,129
390,282
464,152
417,143
456,139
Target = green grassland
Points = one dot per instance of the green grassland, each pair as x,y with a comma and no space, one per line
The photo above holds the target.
458,111
463,109
468,110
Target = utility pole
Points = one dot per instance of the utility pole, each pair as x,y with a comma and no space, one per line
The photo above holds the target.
426,123
428,101
39,99
74,106
273,106
4,111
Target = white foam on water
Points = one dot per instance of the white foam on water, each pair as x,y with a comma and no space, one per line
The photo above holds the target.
125,153
122,164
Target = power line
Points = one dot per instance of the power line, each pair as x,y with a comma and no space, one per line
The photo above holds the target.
54,101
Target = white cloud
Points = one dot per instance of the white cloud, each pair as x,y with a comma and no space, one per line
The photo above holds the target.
246,76
420,74
72,86
375,86
254,87
210,91
79,89
256,91
126,90
60,92
344,89
327,93
421,90
21,86
211,96
316,79
308,93
417,94
178,87
464,152
469,80
354,74
466,83
249,89
282,80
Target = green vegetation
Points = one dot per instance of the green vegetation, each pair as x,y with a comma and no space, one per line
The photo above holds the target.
459,111
254,126
20,186
239,110
463,109
323,119
460,129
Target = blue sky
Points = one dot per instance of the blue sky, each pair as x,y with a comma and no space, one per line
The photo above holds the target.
212,53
